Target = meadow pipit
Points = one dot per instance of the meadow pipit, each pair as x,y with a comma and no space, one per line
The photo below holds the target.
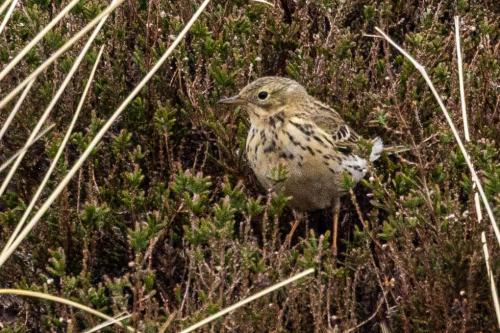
291,129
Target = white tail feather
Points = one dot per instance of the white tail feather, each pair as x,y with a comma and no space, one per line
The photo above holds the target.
378,146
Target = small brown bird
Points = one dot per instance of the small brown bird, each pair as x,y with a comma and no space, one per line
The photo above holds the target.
291,129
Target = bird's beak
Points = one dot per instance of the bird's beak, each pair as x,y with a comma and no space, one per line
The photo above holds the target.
232,100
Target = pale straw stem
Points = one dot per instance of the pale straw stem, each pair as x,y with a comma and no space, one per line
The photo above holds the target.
60,150
4,5
99,136
475,178
248,300
13,113
7,15
461,79
52,103
13,157
48,297
59,52
493,287
107,323
477,203
37,38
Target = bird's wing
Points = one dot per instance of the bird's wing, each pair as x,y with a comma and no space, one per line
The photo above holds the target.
331,122
345,139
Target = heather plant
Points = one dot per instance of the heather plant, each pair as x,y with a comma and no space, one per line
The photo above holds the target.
166,223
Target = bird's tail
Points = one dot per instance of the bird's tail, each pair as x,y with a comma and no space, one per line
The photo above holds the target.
378,148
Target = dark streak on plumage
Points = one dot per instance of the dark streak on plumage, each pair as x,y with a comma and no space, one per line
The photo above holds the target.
280,117
302,128
252,135
317,138
272,122
286,156
292,139
328,157
271,147
328,140
345,150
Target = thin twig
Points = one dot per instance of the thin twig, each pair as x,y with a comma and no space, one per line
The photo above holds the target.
7,15
13,157
367,320
52,197
477,204
54,100
61,300
15,109
248,300
56,54
60,150
475,177
37,38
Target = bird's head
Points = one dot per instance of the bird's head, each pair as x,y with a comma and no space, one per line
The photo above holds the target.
269,95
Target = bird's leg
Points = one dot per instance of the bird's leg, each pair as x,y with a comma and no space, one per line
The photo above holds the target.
336,212
297,218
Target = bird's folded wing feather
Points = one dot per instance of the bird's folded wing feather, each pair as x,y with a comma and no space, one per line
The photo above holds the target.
331,122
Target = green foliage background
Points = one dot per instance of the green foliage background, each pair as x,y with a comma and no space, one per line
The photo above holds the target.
166,221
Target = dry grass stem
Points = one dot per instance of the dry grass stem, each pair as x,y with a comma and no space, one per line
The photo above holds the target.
475,178
265,2
37,38
25,148
461,79
14,111
477,203
107,323
60,150
65,301
248,300
99,135
4,5
52,103
57,54
493,286
7,15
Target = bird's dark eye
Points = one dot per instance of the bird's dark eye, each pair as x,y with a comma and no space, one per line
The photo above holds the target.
263,95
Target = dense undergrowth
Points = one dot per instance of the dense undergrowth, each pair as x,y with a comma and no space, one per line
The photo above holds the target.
166,221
